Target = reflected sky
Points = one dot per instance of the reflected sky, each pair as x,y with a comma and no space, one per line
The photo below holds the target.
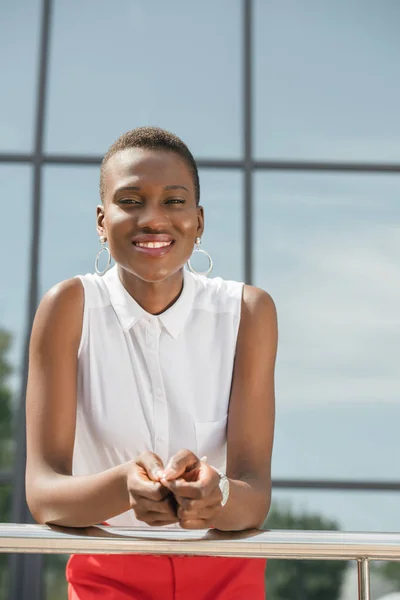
326,248
15,186
118,65
19,49
325,84
326,80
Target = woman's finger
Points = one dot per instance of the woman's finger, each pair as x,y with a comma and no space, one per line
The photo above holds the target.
195,524
139,488
152,464
206,483
162,507
155,519
212,501
160,513
202,513
184,462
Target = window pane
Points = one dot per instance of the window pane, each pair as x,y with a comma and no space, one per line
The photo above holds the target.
115,66
326,84
69,238
326,248
15,186
19,54
221,196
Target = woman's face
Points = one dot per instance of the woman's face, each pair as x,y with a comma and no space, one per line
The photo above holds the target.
149,217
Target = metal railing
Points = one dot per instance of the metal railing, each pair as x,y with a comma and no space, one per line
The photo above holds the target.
297,545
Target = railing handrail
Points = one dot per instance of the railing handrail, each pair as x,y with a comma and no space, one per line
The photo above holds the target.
310,545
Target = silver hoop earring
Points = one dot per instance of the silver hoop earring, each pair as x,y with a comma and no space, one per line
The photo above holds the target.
210,266
102,249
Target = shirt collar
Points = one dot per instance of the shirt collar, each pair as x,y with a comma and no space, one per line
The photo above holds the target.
130,312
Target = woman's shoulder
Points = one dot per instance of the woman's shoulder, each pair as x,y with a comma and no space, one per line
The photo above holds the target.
257,306
59,313
225,295
226,288
92,288
217,293
71,294
257,299
64,292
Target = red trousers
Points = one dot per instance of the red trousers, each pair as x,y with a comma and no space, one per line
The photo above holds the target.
138,577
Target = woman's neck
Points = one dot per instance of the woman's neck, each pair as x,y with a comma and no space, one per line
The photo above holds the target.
153,297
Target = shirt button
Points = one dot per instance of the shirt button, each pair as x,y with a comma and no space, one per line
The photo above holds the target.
160,438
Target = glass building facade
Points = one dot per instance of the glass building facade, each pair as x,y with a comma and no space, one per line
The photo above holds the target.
291,110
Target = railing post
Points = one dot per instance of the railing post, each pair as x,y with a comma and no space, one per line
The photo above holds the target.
363,579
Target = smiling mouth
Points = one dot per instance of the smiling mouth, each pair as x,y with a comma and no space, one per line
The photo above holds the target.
152,244
153,248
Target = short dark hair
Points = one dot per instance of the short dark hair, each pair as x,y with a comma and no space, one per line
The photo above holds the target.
151,138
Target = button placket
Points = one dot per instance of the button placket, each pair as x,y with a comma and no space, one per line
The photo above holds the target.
160,408
152,334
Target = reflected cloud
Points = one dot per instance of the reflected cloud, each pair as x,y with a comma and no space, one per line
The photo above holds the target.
334,277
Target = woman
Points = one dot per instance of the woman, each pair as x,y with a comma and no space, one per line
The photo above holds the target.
136,374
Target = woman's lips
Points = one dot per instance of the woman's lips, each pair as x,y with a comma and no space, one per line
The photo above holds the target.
153,248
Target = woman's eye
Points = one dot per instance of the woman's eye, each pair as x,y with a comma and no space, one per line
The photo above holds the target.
129,201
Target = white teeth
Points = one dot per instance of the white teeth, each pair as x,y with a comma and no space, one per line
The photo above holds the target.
152,244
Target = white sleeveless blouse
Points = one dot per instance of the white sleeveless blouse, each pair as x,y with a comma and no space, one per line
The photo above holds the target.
158,383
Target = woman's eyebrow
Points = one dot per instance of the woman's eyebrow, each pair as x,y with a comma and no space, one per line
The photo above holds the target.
175,187
137,188
124,188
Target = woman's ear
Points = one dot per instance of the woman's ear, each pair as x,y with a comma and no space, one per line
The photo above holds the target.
100,221
200,221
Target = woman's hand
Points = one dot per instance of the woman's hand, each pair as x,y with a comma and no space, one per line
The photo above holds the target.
195,486
150,500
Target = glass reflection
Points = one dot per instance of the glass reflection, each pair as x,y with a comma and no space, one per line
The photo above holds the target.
121,65
5,516
15,185
19,54
350,511
326,248
325,80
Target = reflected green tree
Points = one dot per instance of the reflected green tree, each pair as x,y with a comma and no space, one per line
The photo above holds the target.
5,401
6,442
302,579
55,584
391,572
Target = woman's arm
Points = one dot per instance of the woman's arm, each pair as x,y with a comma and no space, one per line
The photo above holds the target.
53,494
250,434
251,415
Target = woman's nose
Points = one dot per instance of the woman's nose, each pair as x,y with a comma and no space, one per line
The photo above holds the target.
152,217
